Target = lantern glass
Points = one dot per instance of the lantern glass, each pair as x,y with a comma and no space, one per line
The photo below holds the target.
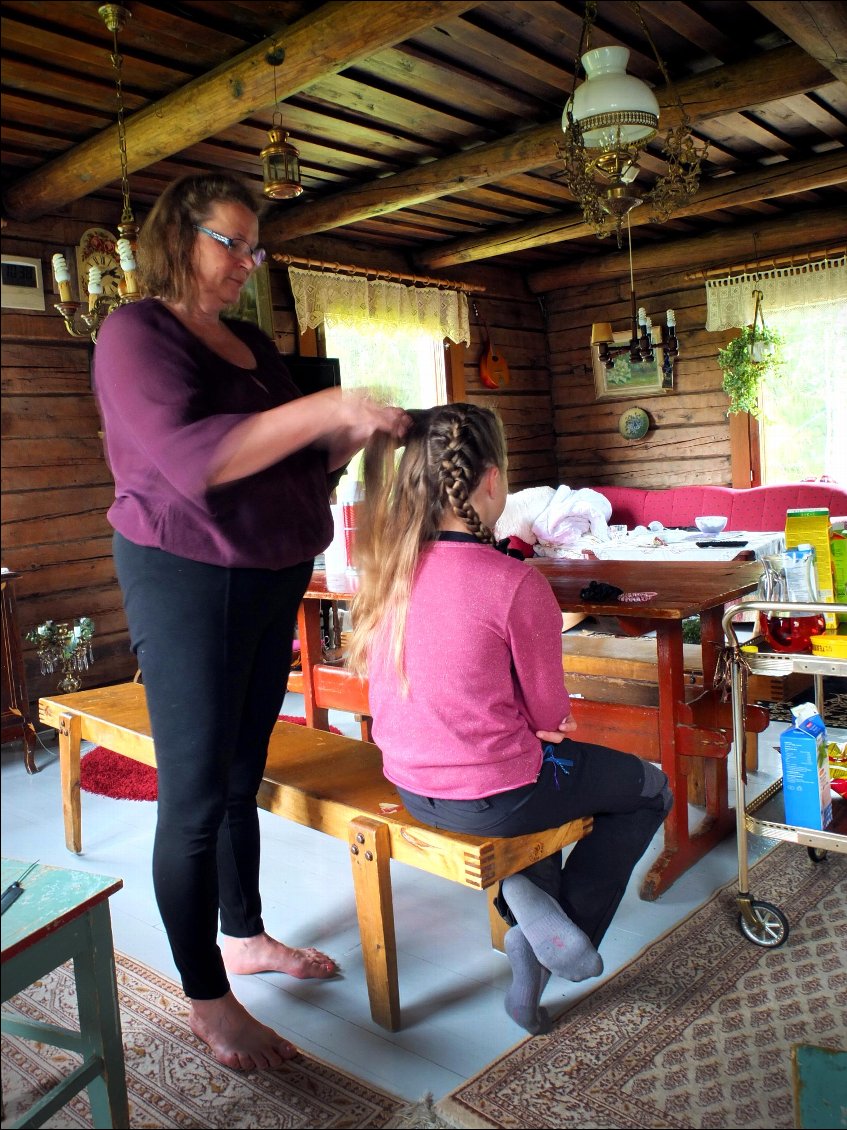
280,167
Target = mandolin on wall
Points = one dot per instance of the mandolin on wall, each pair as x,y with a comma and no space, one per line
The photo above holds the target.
493,367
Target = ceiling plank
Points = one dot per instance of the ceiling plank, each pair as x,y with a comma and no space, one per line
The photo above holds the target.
743,243
723,192
324,42
820,28
772,75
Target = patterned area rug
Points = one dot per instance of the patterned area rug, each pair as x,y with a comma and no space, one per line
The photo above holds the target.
835,710
697,1031
171,1079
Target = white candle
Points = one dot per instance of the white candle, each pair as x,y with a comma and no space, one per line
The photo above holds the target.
62,276
95,286
671,318
124,249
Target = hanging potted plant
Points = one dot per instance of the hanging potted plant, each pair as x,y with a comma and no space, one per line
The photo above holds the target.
747,360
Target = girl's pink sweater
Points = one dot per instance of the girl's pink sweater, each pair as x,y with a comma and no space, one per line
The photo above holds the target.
483,658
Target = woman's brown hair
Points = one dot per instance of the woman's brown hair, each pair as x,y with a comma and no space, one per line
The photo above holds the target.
164,253
447,451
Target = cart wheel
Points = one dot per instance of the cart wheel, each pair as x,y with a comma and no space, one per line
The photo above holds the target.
817,855
771,928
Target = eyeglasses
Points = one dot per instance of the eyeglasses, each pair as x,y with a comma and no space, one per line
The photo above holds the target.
238,247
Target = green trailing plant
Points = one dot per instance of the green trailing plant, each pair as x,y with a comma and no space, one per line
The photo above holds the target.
742,375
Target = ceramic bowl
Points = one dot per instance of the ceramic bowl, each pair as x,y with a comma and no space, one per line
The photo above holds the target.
711,525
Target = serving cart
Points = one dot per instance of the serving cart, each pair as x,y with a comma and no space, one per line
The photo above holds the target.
762,922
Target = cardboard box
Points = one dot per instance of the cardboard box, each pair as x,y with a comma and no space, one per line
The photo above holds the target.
811,527
805,771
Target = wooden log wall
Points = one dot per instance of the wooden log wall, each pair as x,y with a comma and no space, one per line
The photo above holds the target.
515,320
689,439
55,484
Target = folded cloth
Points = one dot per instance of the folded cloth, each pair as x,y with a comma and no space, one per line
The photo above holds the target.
520,511
571,514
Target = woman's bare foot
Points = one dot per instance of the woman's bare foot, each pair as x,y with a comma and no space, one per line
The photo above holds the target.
263,954
236,1038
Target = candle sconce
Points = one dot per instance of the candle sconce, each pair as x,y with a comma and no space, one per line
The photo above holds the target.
66,646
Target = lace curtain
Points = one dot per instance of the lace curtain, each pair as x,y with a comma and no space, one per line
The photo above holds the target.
357,301
730,302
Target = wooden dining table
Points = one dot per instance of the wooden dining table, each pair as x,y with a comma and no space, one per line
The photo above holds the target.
677,733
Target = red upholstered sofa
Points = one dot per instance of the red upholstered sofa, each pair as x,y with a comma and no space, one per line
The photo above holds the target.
758,508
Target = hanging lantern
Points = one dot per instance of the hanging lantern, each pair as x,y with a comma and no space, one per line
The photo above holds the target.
280,166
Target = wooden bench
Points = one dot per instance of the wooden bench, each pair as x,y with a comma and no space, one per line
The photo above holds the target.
323,781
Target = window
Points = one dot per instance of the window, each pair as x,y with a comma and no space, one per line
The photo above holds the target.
404,368
803,412
803,421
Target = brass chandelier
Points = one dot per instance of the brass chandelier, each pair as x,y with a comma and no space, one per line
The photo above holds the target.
608,120
100,304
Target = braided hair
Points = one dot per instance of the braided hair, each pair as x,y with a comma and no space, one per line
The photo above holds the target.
459,455
448,449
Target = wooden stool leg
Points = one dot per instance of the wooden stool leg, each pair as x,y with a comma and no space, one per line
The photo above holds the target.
370,855
499,925
100,1021
70,728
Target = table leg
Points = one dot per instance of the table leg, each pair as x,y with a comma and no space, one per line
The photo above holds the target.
70,738
309,630
100,1021
682,849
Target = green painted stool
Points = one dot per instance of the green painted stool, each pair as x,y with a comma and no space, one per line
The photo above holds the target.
820,1087
63,915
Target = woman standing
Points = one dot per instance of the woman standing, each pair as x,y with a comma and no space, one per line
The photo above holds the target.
221,503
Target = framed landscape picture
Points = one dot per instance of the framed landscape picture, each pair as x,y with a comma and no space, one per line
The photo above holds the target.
626,379
254,303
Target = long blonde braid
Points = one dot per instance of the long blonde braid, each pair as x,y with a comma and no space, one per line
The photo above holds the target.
458,478
447,451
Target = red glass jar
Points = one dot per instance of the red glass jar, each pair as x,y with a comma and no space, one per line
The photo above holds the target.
791,633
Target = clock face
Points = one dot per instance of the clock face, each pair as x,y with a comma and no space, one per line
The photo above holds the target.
97,249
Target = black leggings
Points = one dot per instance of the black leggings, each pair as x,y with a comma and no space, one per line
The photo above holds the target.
628,798
214,648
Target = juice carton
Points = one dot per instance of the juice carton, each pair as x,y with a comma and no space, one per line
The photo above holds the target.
811,527
805,770
838,553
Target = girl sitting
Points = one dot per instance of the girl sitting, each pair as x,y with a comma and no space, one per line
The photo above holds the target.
462,648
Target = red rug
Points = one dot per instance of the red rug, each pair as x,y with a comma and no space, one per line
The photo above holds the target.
106,773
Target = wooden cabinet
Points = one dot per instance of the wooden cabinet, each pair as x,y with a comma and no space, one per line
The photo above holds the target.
15,701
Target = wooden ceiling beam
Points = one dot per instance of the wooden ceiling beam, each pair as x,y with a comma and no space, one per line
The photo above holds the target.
820,28
765,183
741,243
737,86
325,41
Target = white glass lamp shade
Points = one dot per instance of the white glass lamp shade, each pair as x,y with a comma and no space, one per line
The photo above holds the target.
280,167
612,107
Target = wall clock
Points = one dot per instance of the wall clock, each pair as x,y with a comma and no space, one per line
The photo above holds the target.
97,249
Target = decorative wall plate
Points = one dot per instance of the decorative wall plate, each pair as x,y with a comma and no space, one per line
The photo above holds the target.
634,424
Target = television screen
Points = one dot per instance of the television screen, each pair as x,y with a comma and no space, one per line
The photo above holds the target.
311,374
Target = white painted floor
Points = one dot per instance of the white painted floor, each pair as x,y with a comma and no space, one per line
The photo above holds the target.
452,983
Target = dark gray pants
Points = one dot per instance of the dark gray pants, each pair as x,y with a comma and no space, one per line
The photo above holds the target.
628,798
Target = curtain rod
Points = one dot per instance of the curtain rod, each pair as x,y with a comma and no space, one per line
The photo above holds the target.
796,260
390,276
